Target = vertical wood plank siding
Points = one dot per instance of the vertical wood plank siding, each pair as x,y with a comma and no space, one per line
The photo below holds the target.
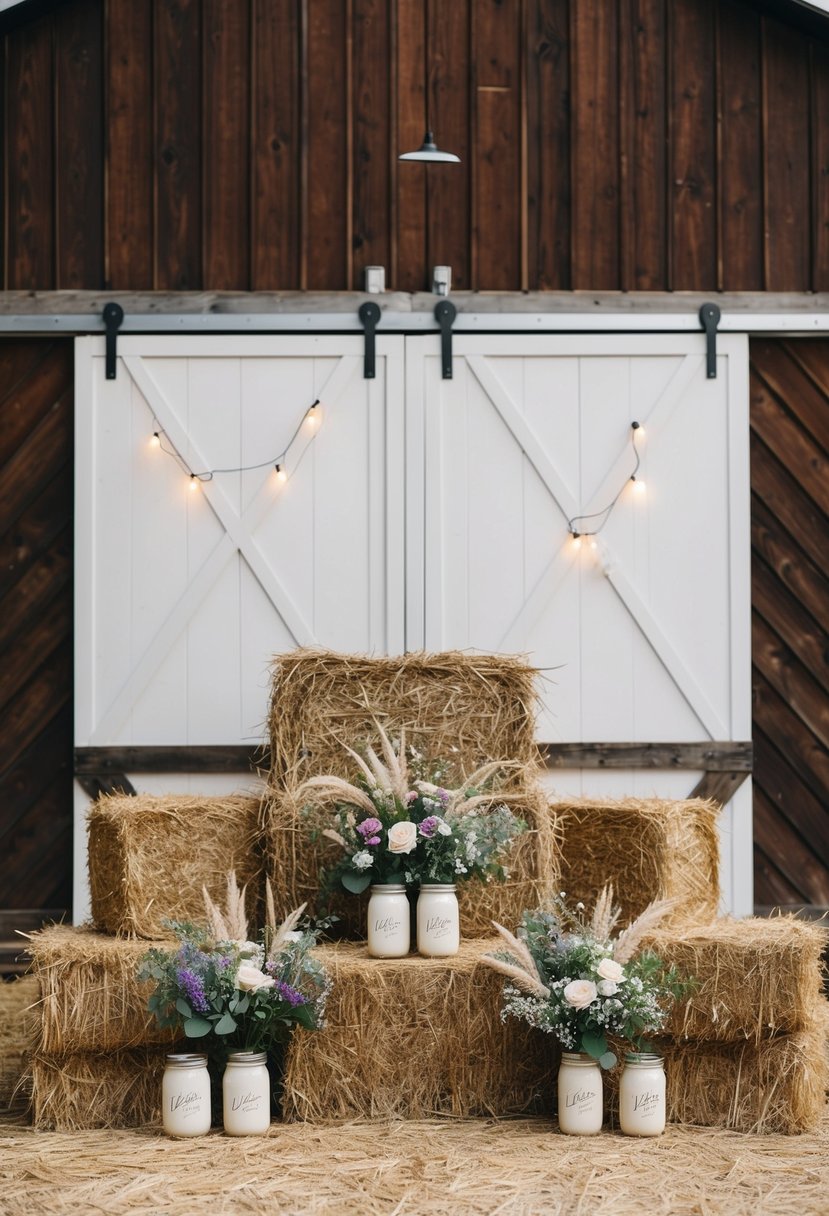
36,545
790,618
241,144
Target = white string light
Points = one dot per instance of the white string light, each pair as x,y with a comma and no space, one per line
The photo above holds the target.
577,532
310,417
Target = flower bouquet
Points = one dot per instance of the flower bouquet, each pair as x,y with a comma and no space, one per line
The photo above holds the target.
569,976
399,827
233,994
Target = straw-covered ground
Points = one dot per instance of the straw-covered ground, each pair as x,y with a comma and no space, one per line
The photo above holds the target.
513,1168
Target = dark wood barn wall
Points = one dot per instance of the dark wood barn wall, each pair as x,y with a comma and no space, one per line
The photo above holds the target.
790,610
36,544
252,145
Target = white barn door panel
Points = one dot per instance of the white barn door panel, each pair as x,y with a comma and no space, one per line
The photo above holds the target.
644,637
183,595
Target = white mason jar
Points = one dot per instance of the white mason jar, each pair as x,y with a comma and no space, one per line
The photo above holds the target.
185,1096
580,1111
389,926
642,1095
438,920
246,1094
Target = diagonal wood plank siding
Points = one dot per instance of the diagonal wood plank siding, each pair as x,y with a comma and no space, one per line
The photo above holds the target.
634,145
790,614
36,548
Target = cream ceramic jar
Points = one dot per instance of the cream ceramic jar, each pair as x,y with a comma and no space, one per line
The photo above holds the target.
642,1095
580,1088
185,1096
389,927
246,1094
438,920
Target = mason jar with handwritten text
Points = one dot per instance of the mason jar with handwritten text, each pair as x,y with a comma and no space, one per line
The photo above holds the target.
246,1094
642,1095
185,1096
389,921
580,1110
438,920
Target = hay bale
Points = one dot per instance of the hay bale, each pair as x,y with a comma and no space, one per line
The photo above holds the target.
776,1085
754,978
295,862
149,856
407,1038
97,1089
649,848
15,1039
91,999
470,708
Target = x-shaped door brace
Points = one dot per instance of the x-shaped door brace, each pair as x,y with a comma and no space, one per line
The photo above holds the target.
560,563
238,537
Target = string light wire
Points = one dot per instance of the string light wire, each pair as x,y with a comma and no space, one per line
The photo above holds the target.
577,532
208,474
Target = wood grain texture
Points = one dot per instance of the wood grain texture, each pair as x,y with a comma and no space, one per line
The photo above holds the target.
820,165
496,150
373,151
549,145
410,271
226,151
642,34
786,141
178,144
692,118
30,152
595,152
79,144
275,227
130,231
36,644
790,617
448,189
326,240
740,149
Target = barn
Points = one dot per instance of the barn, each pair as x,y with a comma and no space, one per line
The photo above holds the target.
267,385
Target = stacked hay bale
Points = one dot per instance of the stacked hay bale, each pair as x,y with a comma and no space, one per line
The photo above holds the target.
411,1037
97,1054
746,1048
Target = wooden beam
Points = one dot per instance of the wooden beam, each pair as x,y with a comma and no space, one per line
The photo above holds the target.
111,763
721,787
710,756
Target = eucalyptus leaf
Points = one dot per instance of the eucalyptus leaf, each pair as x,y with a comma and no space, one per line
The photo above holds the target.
225,1025
595,1044
183,1007
196,1028
355,883
608,1060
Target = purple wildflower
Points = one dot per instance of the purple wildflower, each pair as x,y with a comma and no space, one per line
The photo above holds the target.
193,989
289,994
444,796
373,840
429,826
369,827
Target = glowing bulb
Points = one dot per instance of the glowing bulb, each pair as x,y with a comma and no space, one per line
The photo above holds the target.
155,442
594,544
638,485
194,482
281,475
576,541
311,417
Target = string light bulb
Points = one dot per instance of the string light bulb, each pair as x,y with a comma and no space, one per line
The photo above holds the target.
312,417
155,442
281,475
576,540
638,430
194,482
639,486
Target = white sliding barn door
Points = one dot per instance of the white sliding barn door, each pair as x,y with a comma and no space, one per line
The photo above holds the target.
183,596
644,638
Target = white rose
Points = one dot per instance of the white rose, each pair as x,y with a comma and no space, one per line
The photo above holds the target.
608,970
580,993
251,979
402,837
444,828
362,860
607,988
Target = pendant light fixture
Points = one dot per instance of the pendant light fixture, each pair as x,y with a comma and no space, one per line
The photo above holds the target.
428,151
